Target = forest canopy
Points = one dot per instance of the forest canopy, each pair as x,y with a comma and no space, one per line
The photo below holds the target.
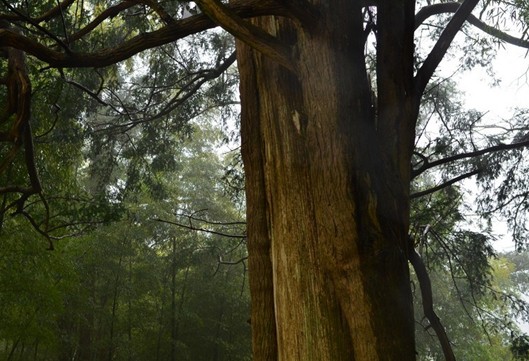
168,150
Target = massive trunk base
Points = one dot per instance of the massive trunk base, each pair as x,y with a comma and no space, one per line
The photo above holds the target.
327,209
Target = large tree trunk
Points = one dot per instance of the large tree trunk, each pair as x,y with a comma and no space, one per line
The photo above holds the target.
327,193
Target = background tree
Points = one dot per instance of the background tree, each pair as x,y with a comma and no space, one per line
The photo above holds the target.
145,285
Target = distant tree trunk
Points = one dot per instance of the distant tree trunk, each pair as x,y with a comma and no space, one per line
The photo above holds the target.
327,190
177,308
87,322
129,307
114,311
68,333
13,349
22,352
36,350
174,330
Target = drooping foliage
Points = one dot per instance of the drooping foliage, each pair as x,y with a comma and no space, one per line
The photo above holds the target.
149,259
166,279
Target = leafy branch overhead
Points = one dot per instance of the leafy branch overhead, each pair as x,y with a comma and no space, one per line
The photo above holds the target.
230,16
171,32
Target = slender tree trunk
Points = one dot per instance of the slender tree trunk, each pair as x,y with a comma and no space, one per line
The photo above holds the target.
22,351
115,305
161,322
326,195
129,306
87,323
13,349
36,350
174,332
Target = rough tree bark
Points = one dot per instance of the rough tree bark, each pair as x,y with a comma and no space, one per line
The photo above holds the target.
327,188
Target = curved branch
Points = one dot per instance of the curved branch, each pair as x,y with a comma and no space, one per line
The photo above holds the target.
442,8
439,50
19,110
84,89
194,85
115,10
109,56
212,222
220,261
47,16
39,230
108,13
477,153
56,11
247,32
427,304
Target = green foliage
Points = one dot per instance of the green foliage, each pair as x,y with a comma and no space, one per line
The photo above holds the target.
137,286
473,292
126,154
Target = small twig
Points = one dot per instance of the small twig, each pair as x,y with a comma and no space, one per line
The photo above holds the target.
220,261
444,185
37,228
83,88
193,228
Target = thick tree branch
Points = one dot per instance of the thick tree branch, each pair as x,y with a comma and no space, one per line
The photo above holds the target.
444,185
109,56
443,8
439,50
304,12
427,304
477,153
247,32
18,112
